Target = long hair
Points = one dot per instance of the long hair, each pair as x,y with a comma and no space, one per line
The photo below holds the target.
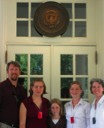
57,101
37,80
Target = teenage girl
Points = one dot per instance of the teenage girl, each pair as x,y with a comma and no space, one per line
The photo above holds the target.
77,110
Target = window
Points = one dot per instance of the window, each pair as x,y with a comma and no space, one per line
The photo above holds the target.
36,67
79,70
77,22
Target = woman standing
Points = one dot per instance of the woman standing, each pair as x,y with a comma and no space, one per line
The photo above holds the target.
77,110
97,109
34,109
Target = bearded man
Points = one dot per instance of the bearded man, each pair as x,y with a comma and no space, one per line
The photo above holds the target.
11,95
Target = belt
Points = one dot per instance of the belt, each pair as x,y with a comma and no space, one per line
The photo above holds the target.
10,124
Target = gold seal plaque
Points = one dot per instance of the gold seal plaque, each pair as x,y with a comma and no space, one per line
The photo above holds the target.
51,19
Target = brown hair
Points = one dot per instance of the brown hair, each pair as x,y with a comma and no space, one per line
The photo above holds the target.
37,80
57,101
98,80
78,83
15,63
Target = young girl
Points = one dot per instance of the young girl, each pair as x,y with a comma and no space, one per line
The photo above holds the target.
56,118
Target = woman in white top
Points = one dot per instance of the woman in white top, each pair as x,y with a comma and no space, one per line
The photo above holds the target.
97,109
77,110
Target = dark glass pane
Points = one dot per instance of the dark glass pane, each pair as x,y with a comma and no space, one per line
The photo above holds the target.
34,6
80,29
22,10
23,82
84,83
22,28
66,64
65,84
68,32
36,64
33,31
23,61
68,7
81,64
80,10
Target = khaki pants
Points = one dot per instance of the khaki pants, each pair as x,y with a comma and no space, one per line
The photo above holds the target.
2,125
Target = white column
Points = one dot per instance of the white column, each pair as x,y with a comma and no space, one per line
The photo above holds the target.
100,37
2,42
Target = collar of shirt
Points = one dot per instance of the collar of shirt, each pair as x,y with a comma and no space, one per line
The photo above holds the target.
43,100
79,103
101,101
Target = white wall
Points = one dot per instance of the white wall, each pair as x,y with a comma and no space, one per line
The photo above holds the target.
100,37
2,42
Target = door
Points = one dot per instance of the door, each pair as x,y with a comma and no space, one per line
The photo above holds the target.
34,62
57,65
73,63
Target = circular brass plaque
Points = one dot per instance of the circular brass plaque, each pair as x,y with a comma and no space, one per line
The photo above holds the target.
51,19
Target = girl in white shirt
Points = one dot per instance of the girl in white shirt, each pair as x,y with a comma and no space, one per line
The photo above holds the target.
97,109
77,110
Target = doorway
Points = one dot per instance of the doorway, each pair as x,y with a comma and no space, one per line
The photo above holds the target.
57,65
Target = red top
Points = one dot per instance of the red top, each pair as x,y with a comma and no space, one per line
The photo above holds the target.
33,113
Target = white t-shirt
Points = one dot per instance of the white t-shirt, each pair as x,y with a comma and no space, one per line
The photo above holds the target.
55,121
